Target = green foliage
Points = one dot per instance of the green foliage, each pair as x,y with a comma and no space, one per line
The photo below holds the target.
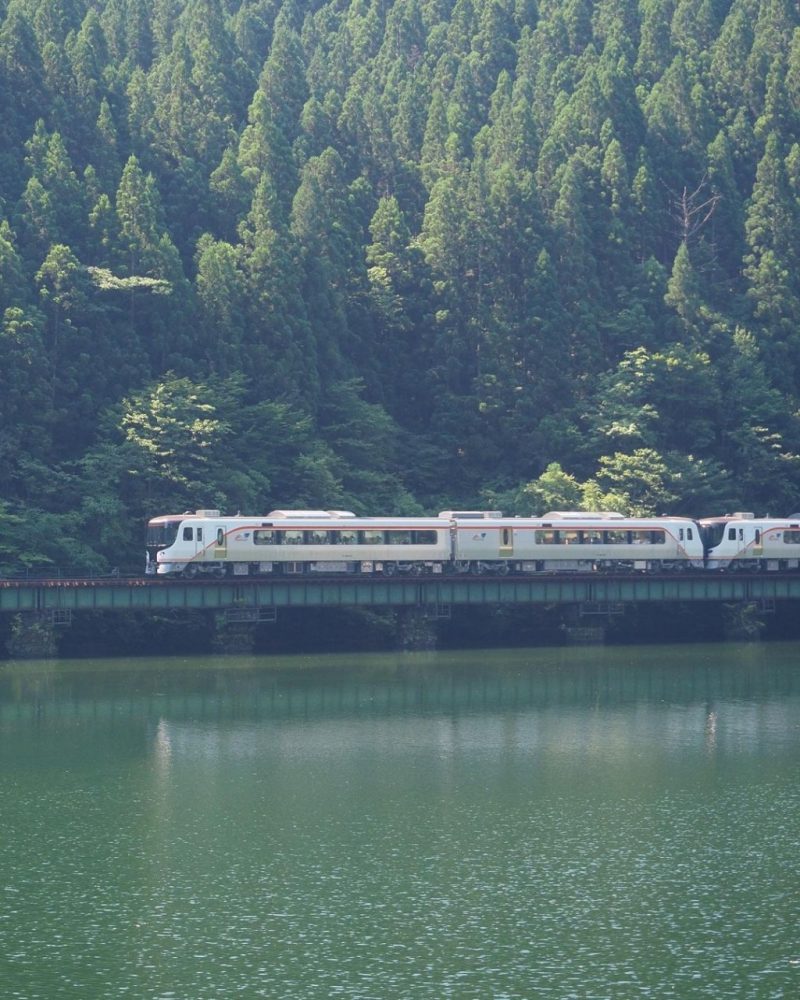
637,483
397,256
173,430
553,490
34,541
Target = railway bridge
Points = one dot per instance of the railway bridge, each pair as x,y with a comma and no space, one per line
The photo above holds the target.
585,601
264,596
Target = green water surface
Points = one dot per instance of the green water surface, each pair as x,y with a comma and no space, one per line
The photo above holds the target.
570,823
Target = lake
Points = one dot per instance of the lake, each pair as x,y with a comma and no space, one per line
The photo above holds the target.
575,822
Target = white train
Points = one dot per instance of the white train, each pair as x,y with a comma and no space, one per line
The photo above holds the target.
336,541
744,542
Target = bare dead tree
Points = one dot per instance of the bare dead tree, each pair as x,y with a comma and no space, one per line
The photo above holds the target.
693,209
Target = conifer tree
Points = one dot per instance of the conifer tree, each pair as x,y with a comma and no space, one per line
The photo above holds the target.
279,342
771,263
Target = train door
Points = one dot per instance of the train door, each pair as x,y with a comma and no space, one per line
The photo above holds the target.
220,542
736,536
506,542
191,538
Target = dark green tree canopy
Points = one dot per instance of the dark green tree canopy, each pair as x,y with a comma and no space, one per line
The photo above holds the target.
401,255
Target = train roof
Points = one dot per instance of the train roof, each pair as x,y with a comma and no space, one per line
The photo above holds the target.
794,519
466,518
577,520
314,515
386,521
306,519
470,515
594,515
162,518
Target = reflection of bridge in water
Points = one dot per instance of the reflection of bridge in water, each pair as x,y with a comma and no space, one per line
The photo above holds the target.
534,680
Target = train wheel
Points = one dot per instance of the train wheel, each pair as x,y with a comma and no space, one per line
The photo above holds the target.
389,568
477,568
190,570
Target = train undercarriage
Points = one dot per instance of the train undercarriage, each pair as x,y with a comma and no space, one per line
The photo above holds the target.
471,567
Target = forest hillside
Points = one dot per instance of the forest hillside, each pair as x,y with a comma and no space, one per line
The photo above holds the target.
393,256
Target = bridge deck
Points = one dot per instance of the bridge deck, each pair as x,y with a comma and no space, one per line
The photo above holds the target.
147,594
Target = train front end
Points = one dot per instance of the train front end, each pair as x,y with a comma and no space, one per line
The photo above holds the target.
161,534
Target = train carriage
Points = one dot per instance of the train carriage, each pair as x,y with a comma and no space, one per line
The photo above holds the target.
336,541
575,541
741,541
295,541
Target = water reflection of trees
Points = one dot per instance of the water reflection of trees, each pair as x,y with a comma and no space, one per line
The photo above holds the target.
232,694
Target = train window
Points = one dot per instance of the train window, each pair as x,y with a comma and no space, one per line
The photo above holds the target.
731,534
220,536
689,534
319,537
371,537
398,537
648,537
617,537
593,537
680,534
163,533
546,537
262,536
424,537
347,536
188,534
293,536
571,537
758,536
791,537
199,534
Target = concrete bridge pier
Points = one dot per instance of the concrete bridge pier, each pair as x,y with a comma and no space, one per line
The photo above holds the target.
742,621
583,625
585,635
33,635
233,635
416,629
235,628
